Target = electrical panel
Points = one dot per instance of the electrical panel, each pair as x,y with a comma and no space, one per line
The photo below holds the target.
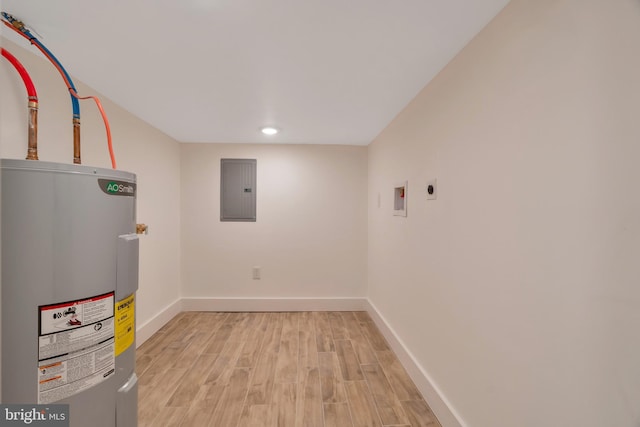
238,190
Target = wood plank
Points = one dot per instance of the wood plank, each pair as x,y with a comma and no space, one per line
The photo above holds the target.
193,350
398,377
143,362
190,384
225,363
154,396
363,350
148,379
205,403
307,354
420,414
331,379
208,321
324,335
337,415
260,389
351,324
147,348
283,408
360,343
349,365
389,408
219,339
165,360
363,408
377,341
242,325
337,326
287,366
169,417
255,416
229,409
156,344
273,333
180,320
251,348
179,329
309,410
204,327
208,396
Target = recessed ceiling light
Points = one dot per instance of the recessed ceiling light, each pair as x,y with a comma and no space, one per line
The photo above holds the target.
268,130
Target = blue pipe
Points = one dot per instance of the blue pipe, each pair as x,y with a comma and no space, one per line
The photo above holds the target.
74,101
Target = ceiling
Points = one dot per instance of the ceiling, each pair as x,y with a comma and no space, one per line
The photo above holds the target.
322,71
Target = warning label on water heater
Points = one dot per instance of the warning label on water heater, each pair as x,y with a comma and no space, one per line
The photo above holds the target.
76,346
125,323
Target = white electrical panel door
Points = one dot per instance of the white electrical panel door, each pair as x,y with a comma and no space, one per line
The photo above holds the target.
237,189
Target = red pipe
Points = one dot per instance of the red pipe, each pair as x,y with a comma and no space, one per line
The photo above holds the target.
32,151
31,89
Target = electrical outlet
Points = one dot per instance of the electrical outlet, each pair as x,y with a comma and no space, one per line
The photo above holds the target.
256,273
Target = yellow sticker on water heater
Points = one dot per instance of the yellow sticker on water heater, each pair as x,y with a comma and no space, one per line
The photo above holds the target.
125,323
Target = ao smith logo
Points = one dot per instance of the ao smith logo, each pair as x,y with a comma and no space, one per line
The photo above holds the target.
114,187
117,188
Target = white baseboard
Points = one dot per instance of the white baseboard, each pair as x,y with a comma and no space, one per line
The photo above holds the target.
439,404
150,327
274,304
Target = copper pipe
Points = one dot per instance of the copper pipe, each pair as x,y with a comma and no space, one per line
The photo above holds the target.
76,140
32,150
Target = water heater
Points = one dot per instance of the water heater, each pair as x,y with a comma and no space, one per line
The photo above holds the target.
69,277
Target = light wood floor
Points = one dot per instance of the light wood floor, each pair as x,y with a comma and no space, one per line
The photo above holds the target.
275,369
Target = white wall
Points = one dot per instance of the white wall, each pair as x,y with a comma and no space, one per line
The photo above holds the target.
139,148
517,291
310,237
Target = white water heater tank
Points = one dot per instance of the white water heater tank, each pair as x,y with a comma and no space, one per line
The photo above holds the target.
69,277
